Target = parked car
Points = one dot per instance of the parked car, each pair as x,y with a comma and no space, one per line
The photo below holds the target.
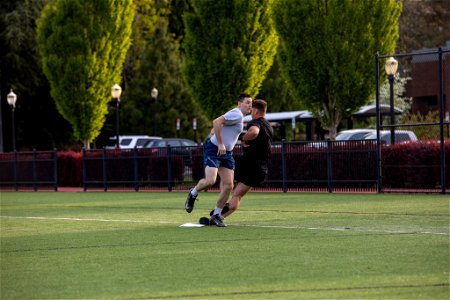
345,135
354,134
131,141
401,136
179,147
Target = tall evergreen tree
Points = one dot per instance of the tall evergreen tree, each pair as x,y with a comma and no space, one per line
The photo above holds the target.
160,67
229,45
83,46
327,52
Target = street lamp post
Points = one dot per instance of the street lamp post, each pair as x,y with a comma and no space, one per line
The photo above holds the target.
154,94
293,128
12,102
177,127
391,66
194,127
116,91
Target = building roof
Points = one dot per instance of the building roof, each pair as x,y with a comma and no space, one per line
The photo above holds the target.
284,116
365,111
370,110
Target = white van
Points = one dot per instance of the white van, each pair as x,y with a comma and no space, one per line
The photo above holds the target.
131,141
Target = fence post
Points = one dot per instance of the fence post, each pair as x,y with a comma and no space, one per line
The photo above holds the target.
105,180
329,168
16,184
135,168
84,170
441,122
55,169
283,165
169,168
33,168
378,119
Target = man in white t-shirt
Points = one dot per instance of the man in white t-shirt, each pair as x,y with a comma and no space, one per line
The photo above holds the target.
218,156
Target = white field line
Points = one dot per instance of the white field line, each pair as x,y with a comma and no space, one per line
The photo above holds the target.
240,225
347,229
87,220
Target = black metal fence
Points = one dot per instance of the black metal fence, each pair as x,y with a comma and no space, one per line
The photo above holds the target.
320,166
29,170
296,166
420,86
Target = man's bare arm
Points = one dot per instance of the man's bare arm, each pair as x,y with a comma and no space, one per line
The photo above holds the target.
217,127
251,134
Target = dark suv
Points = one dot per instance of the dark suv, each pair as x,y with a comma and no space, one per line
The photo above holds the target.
178,147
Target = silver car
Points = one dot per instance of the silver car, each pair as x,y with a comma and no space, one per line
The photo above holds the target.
401,136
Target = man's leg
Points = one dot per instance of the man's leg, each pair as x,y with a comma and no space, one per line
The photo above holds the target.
226,186
239,192
204,183
209,180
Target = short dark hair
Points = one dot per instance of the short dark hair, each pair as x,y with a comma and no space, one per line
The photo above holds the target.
260,105
243,96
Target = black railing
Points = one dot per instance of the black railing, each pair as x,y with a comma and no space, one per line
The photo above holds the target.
29,170
320,166
134,168
293,166
424,73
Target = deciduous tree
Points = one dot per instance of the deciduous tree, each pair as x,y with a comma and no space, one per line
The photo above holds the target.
327,52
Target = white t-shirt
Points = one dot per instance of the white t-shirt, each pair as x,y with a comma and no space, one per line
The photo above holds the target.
231,128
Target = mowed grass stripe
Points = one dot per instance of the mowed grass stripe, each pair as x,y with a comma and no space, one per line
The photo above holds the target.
318,290
366,230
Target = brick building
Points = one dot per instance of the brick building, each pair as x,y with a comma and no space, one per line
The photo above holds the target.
423,87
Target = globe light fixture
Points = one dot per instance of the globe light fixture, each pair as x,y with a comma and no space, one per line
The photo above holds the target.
12,98
391,66
116,92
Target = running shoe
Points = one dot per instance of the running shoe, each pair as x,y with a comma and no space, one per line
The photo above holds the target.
225,209
190,200
218,221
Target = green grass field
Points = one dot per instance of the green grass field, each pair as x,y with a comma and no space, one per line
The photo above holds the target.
277,246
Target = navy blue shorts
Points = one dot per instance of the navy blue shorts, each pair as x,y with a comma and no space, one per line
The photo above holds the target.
211,159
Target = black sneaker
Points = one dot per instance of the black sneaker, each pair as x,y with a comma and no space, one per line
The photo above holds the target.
217,220
190,200
225,209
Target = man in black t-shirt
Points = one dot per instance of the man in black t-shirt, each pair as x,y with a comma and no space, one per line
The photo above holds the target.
251,167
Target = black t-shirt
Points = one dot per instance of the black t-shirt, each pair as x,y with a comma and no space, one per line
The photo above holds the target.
259,149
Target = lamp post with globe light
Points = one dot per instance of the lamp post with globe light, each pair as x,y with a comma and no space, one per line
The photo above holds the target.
12,98
391,66
154,93
194,127
116,91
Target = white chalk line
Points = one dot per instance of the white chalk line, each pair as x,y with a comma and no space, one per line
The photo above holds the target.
88,220
349,229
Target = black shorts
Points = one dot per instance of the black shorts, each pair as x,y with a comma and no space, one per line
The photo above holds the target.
250,172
